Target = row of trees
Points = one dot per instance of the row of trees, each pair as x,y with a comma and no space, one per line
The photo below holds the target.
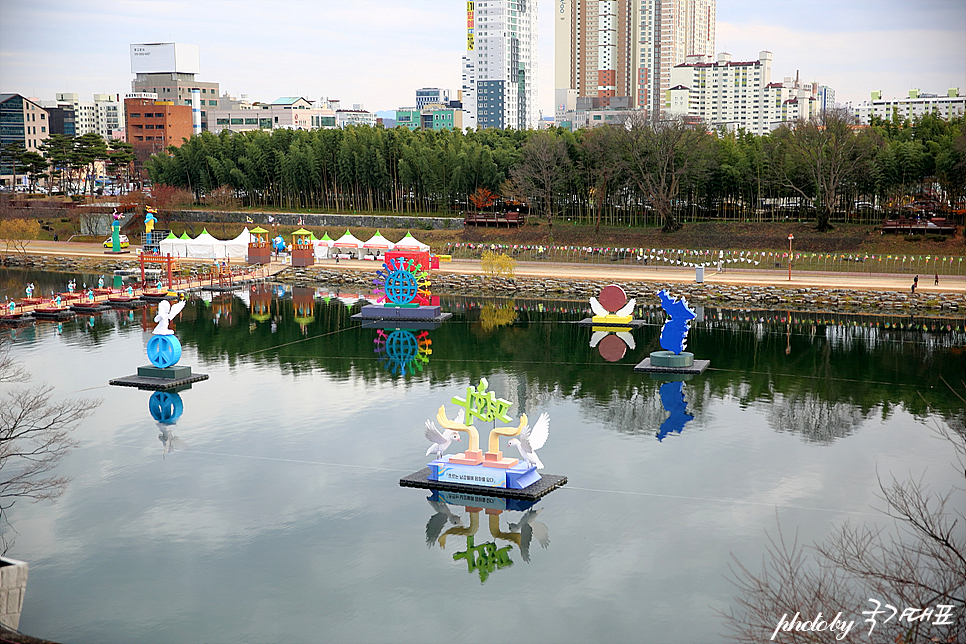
639,173
69,164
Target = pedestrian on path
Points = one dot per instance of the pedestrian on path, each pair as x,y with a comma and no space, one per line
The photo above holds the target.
937,280
915,283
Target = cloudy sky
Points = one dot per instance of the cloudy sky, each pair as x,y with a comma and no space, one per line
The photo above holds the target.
377,52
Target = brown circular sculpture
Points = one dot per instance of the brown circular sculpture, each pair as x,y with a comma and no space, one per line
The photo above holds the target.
612,298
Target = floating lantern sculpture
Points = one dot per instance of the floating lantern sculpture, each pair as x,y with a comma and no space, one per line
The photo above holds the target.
164,352
488,473
674,340
403,289
612,323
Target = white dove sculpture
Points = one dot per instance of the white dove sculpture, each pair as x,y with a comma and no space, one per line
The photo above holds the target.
440,440
166,313
600,311
531,439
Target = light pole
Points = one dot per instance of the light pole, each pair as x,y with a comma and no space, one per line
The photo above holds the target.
790,238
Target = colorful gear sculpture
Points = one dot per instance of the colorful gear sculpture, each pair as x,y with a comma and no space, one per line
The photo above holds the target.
402,280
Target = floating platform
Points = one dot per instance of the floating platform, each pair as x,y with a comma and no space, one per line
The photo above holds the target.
547,484
16,320
154,298
63,313
402,313
125,302
695,369
160,379
636,324
117,252
89,309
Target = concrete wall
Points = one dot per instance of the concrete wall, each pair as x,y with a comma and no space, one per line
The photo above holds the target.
13,586
335,222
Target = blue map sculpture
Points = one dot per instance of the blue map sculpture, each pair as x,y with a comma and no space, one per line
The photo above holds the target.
672,397
674,333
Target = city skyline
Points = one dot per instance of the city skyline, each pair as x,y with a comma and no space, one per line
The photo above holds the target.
377,52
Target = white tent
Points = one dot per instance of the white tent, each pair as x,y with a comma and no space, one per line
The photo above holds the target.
322,246
411,243
379,244
348,244
238,247
205,246
173,246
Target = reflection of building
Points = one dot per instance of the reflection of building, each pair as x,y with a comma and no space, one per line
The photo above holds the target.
261,302
500,65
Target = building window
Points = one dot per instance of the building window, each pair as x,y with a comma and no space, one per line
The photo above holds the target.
134,115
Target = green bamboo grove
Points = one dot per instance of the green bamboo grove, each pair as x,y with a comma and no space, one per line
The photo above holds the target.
639,174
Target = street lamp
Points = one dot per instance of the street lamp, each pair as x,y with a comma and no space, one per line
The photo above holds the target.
790,238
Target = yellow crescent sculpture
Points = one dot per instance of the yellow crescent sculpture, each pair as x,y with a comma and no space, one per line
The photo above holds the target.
474,436
509,432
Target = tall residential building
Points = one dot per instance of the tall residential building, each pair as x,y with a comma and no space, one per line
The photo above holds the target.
730,94
916,104
621,52
500,65
169,70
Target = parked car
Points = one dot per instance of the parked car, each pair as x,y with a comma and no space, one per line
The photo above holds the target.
124,242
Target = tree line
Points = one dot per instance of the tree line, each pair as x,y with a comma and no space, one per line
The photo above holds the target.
638,172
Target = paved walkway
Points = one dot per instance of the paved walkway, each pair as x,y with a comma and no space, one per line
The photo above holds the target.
734,276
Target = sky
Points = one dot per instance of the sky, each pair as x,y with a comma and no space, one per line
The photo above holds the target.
377,52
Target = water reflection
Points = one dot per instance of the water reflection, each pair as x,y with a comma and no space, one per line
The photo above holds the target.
522,529
672,398
166,408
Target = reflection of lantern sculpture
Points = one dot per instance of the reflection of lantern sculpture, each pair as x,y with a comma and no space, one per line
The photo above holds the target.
484,558
403,351
672,397
261,302
221,307
303,301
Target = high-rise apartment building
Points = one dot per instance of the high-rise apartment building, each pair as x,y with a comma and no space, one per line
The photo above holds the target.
105,116
500,65
621,52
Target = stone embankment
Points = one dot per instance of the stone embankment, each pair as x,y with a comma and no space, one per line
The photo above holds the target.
711,294
726,295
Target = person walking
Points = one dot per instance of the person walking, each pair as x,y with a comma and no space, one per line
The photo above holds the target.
915,283
937,280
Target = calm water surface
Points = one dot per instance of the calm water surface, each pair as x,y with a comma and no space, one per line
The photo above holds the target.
271,510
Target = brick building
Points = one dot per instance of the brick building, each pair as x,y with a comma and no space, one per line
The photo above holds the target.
153,125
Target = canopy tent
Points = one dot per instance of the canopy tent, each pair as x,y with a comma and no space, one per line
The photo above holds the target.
237,248
323,245
378,242
173,246
411,243
349,244
205,246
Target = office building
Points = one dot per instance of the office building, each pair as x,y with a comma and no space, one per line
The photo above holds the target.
625,49
917,103
499,81
169,70
62,120
432,116
104,116
287,112
427,95
22,121
154,124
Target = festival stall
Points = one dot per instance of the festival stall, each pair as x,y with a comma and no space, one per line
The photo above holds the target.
348,245
410,243
322,246
377,243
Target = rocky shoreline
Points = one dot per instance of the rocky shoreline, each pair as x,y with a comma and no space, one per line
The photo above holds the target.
772,297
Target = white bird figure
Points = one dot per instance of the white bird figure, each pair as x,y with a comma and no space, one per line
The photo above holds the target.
529,527
627,309
531,439
440,440
598,308
439,520
166,313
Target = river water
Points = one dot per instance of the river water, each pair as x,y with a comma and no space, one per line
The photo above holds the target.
271,510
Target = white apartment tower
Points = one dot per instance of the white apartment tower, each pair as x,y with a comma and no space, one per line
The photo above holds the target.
621,52
500,65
